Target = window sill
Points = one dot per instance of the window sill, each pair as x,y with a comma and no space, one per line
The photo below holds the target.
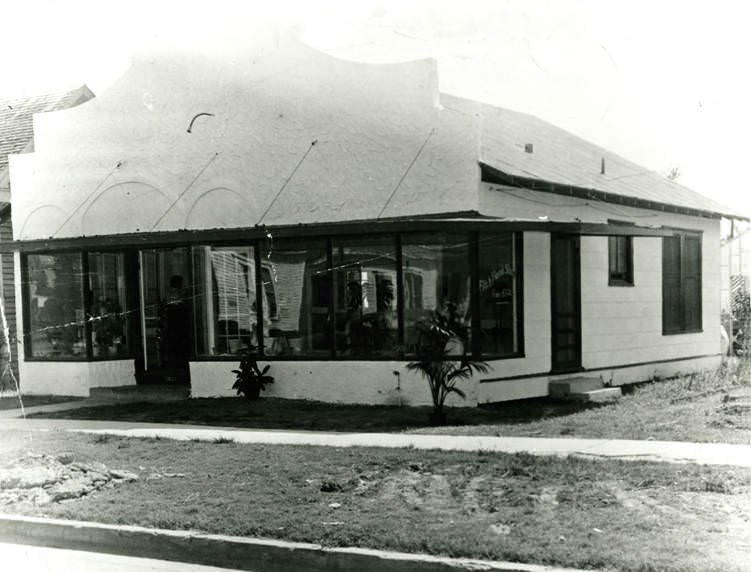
55,359
620,283
491,357
681,332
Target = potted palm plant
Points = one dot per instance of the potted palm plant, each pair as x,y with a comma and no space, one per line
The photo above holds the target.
442,358
250,379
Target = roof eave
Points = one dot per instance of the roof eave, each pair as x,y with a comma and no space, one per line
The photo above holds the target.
492,175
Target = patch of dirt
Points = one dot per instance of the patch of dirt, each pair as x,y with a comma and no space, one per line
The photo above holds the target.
452,492
733,411
45,479
729,514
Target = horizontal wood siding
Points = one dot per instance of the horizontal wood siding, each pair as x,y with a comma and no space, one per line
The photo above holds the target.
8,293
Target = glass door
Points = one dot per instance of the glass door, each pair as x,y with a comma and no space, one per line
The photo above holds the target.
166,295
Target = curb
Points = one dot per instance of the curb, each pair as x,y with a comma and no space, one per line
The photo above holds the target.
251,554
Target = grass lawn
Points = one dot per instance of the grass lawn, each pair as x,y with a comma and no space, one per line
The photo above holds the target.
10,400
607,515
689,408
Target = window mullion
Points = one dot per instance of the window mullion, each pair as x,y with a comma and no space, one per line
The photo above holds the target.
260,293
682,270
474,294
86,300
330,276
399,293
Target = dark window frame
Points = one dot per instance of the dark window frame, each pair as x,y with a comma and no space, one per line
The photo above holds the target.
129,307
85,296
684,327
477,353
259,247
621,276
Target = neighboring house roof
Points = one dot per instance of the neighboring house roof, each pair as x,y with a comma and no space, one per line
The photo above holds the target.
567,162
17,123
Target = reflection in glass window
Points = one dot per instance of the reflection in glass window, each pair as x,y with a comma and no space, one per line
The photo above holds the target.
296,297
225,315
56,317
365,300
497,273
436,277
108,309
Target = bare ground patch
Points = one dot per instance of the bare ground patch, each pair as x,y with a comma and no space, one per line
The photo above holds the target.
604,515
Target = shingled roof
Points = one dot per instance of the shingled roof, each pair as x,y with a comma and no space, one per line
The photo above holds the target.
16,118
522,150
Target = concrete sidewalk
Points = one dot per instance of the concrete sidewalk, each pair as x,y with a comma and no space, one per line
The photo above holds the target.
663,451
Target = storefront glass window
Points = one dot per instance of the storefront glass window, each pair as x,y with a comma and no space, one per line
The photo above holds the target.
436,277
108,312
56,315
498,288
365,299
225,302
296,287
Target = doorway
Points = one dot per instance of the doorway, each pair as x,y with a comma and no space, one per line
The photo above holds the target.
166,295
565,297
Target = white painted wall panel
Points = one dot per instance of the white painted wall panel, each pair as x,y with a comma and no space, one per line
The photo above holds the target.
54,378
112,373
369,382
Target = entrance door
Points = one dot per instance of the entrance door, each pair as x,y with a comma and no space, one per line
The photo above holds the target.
565,299
166,314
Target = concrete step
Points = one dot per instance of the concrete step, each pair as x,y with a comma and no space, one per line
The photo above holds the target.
562,388
604,395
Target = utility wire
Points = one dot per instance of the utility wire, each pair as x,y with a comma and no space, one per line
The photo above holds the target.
284,185
404,176
91,194
185,190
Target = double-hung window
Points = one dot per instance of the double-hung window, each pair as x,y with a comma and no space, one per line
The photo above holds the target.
681,283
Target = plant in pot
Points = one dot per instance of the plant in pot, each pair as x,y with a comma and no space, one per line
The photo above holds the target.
250,378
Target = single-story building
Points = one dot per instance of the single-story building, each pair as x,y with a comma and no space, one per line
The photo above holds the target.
312,211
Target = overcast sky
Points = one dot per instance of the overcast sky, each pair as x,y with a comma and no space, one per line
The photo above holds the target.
663,83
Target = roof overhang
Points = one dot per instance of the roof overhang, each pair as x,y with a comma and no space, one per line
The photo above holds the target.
490,174
469,221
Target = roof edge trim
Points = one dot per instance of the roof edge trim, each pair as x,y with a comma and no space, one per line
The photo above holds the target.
490,174
467,221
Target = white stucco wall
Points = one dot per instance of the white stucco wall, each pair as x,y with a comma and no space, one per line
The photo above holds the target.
112,373
369,382
124,161
54,378
73,377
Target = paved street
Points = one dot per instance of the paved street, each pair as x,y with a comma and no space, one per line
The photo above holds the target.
38,559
